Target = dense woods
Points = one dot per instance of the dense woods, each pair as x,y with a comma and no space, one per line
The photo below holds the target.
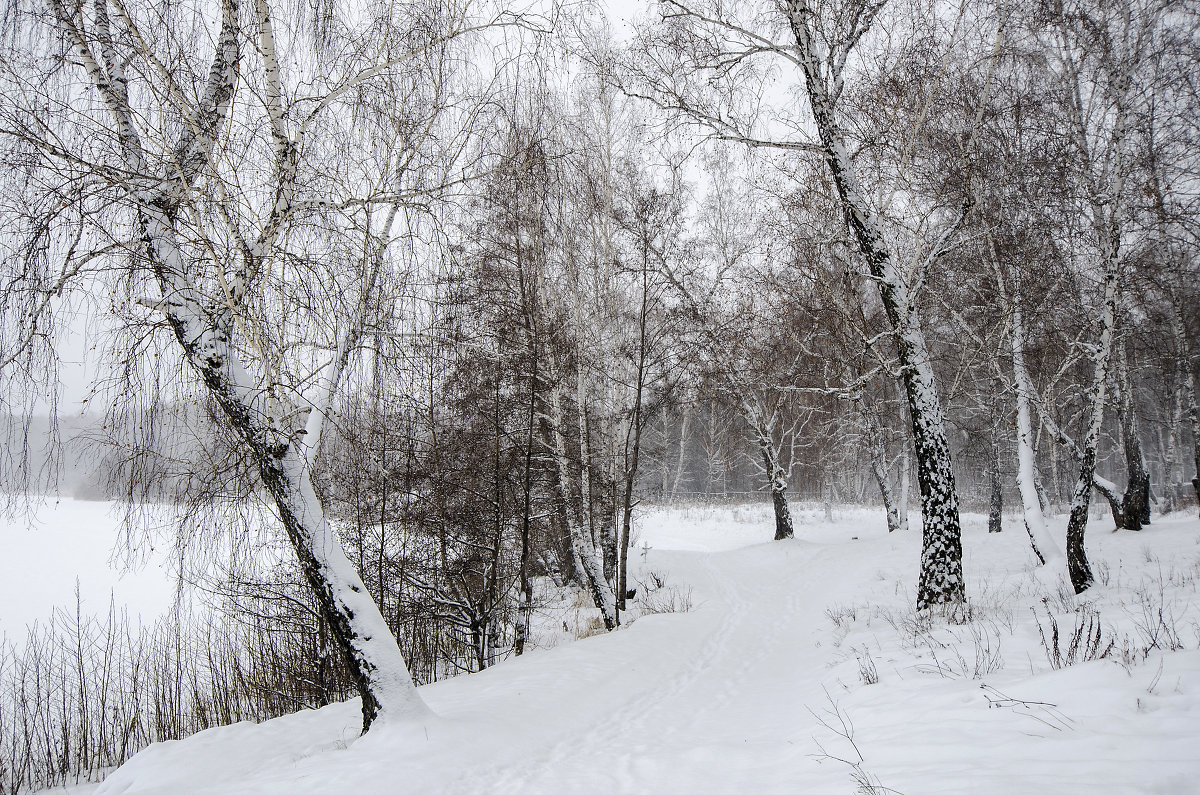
403,308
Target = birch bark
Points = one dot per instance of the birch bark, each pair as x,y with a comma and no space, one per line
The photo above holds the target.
282,452
1044,546
941,576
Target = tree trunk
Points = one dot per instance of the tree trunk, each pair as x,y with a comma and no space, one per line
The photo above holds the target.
878,452
681,461
1135,506
1172,473
633,446
1194,417
941,577
525,585
1077,563
281,452
996,503
355,623
827,497
376,666
1107,489
1044,546
776,478
587,557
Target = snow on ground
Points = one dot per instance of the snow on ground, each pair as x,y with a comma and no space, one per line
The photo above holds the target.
799,667
66,541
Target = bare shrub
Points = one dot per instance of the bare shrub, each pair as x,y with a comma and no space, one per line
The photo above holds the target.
837,721
867,672
949,660
1156,621
841,615
656,596
80,695
976,626
1084,644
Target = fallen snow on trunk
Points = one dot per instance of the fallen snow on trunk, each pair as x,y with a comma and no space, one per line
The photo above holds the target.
800,667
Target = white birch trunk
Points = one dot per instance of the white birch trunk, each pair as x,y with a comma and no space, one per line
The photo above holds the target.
280,453
1077,564
941,576
764,431
1044,546
682,458
878,452
588,558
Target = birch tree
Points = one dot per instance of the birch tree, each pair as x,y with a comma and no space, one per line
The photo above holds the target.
735,49
209,188
1098,54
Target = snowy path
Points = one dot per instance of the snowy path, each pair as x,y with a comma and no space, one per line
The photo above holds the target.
722,698
714,693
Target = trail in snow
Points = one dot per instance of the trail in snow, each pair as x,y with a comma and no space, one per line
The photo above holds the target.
725,697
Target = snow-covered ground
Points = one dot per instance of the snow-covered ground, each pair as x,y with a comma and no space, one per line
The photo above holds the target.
797,667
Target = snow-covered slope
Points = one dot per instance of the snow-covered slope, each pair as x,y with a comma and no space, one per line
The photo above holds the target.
799,667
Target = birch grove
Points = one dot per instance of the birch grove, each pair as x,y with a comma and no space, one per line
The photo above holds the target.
452,289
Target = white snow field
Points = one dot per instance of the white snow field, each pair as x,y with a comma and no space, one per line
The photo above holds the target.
800,667
64,543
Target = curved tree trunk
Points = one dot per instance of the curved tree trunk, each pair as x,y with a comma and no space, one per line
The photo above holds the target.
281,452
355,623
1044,546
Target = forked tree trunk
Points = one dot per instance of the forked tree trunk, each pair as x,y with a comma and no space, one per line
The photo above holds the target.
941,577
777,480
585,552
1107,216
281,454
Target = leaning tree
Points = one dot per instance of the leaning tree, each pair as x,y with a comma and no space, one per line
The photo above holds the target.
245,194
